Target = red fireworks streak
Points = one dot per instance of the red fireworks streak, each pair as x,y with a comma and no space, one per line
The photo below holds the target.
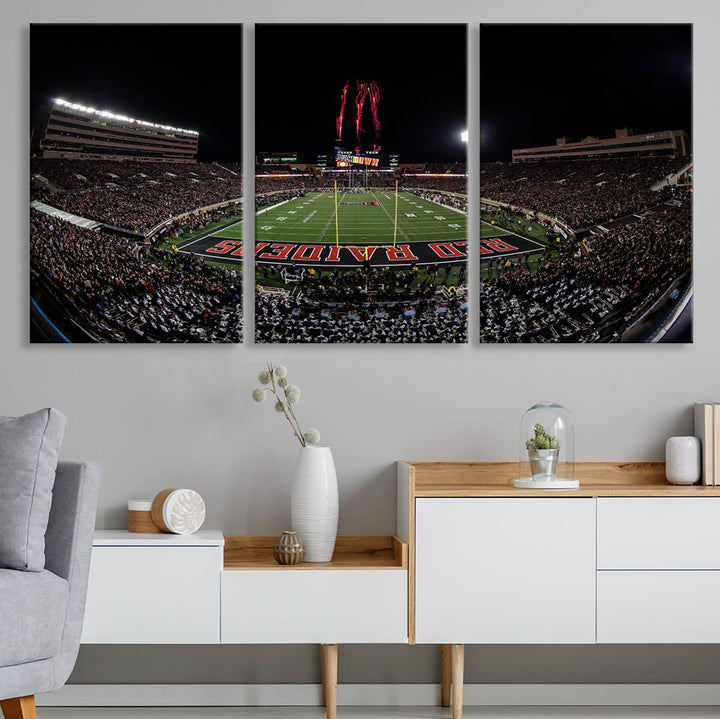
362,93
365,91
373,92
339,118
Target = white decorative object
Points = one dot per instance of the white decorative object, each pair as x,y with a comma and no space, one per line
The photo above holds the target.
682,460
314,502
180,511
140,517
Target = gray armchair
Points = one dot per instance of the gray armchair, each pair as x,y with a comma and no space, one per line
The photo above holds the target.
41,613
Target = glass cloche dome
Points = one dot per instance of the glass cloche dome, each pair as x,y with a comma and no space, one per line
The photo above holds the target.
547,448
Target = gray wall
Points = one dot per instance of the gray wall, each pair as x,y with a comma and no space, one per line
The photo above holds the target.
181,416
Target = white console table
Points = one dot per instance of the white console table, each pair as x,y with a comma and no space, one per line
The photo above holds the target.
205,588
623,559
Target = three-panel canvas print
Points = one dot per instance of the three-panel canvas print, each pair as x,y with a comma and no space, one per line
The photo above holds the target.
358,226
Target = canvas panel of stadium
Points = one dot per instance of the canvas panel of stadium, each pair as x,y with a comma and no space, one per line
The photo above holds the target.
135,166
361,184
586,183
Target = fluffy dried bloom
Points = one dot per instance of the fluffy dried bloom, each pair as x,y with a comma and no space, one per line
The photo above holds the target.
311,436
286,396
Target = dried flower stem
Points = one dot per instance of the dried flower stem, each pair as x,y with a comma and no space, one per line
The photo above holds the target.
286,407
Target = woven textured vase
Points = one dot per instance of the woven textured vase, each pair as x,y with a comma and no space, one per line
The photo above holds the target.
314,503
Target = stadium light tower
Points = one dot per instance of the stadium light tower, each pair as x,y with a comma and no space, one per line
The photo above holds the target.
464,135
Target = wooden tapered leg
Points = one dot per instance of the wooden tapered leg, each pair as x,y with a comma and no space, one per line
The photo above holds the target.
329,661
458,670
322,673
20,708
446,675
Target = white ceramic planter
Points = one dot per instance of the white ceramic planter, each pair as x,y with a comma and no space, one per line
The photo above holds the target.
314,503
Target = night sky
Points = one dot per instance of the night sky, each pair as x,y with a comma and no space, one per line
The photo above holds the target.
420,69
541,82
187,76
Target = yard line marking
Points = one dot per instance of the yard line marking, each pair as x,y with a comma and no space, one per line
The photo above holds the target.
211,234
392,221
330,219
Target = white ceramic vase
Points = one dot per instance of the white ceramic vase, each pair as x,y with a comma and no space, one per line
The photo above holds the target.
314,502
682,460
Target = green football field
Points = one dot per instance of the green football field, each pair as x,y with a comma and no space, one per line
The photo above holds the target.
234,232
488,229
312,218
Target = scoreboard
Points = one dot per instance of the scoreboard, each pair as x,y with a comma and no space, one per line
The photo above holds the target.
372,160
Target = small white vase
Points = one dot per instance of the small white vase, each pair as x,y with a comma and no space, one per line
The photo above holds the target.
314,502
682,460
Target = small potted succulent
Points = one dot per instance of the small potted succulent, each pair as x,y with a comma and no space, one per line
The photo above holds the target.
543,450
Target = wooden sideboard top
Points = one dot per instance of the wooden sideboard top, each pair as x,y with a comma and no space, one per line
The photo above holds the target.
597,479
351,552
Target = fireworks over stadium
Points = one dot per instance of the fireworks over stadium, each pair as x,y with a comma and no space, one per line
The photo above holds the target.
361,199
360,202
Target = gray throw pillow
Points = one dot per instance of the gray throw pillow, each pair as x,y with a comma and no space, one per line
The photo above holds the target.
29,447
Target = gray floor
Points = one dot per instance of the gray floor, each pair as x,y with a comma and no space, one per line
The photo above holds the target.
385,712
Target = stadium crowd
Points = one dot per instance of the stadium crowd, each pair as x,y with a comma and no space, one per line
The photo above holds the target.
596,289
280,317
444,184
136,196
580,193
453,168
459,202
122,291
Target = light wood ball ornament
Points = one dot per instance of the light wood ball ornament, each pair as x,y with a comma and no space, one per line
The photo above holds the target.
178,511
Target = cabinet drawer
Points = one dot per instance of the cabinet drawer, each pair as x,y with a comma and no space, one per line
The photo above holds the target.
658,607
153,595
497,571
658,532
307,606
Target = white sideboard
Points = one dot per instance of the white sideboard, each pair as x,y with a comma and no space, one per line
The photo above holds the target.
205,588
626,558
173,589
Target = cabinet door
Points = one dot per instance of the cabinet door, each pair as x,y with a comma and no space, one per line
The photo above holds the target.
497,570
658,532
288,606
153,595
660,607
